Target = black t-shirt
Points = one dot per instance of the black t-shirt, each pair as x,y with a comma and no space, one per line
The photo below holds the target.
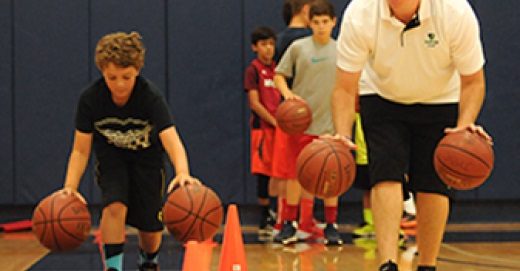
286,37
128,133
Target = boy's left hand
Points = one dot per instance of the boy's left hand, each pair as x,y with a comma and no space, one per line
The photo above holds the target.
182,179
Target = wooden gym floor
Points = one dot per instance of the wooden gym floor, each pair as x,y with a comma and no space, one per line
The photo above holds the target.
467,247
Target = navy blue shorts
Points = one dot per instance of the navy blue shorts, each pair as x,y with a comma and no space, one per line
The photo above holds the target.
402,139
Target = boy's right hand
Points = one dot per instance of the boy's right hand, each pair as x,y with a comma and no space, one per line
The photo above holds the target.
70,191
289,95
182,180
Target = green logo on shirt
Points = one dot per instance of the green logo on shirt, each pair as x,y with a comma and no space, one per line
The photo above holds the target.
318,59
431,41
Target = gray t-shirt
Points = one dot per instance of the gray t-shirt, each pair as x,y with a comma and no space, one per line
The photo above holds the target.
314,77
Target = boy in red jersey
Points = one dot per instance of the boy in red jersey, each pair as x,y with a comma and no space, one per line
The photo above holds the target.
263,99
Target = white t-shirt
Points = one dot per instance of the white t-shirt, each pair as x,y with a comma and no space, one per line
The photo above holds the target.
419,65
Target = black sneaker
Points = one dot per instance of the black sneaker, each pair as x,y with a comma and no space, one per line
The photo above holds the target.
389,266
288,233
331,235
266,225
148,266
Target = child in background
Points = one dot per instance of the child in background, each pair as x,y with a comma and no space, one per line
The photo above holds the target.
296,16
263,99
311,62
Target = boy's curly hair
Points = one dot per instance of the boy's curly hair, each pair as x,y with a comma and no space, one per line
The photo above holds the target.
122,49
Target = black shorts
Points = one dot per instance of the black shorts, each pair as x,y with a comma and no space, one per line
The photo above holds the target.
402,139
140,188
362,180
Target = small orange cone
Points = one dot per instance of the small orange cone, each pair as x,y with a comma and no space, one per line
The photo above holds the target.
197,256
233,255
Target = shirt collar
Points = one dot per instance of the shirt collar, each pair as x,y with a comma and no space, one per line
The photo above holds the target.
424,9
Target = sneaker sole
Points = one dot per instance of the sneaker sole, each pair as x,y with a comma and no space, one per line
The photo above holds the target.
290,240
333,243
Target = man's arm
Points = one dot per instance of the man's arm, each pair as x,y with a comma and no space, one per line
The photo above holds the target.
344,101
472,93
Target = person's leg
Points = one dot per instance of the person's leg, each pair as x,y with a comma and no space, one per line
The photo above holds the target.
113,180
144,212
306,225
366,229
149,244
331,233
432,215
288,233
307,228
387,203
388,143
265,224
432,194
112,228
281,211
284,167
362,181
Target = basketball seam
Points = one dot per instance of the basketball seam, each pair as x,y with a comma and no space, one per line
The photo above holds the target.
467,152
202,205
304,163
216,208
44,224
338,162
63,219
458,172
52,228
321,177
63,228
188,213
190,228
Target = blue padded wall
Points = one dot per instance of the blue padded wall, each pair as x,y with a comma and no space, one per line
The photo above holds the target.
6,105
51,68
205,68
500,116
145,17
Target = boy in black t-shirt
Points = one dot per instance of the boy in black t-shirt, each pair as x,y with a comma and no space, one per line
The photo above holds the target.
126,120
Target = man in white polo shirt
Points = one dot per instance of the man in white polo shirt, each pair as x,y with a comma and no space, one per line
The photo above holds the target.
418,67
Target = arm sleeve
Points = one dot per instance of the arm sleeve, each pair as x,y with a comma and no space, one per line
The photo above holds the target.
84,118
250,79
352,46
288,61
161,116
466,47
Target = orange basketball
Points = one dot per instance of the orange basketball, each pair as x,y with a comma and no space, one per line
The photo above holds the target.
61,222
326,168
193,212
463,160
294,116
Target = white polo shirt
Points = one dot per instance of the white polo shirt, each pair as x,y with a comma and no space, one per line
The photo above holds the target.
419,65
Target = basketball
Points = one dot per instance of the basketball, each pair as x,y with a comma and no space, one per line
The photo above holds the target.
463,160
61,222
193,212
326,168
294,116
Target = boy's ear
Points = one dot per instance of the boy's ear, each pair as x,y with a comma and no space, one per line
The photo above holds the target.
253,47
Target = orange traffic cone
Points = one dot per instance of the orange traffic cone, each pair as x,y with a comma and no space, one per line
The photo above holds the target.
232,256
197,256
